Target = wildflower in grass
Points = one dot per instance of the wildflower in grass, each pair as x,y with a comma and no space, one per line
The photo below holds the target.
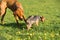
52,34
18,38
40,37
57,34
18,32
30,34
45,34
27,33
23,39
33,33
29,37
45,37
10,36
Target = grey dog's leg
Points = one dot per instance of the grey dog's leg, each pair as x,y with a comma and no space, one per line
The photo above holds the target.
28,26
37,22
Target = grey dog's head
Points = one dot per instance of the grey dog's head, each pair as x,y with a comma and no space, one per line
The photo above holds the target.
42,18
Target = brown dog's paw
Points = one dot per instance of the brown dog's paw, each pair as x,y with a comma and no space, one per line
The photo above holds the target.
2,23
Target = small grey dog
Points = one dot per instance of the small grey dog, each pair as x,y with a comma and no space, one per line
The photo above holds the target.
33,20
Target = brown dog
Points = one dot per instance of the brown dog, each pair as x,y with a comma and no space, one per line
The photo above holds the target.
14,6
33,19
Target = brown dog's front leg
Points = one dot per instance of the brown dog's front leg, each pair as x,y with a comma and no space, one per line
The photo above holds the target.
16,18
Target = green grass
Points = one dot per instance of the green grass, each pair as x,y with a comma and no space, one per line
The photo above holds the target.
49,30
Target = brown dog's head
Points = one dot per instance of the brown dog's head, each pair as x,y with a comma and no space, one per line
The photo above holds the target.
42,18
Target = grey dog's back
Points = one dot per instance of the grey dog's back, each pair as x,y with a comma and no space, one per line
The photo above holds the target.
32,18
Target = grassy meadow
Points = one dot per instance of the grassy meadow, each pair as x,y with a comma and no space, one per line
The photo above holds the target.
48,30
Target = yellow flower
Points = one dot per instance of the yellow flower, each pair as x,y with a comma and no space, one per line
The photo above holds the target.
29,37
18,38
45,37
45,34
18,32
31,34
39,36
52,34
27,34
57,34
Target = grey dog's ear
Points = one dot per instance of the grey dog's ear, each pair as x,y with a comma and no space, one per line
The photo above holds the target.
41,17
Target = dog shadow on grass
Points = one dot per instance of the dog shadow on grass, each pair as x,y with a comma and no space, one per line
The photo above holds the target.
15,25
